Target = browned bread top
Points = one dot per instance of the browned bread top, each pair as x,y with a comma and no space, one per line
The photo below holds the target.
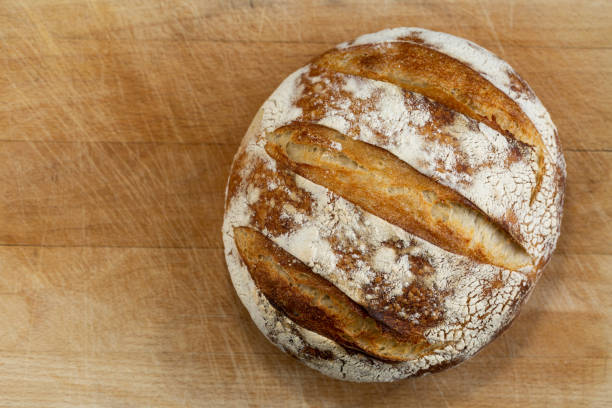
392,205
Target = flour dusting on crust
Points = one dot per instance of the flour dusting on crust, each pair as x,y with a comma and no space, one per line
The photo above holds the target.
495,173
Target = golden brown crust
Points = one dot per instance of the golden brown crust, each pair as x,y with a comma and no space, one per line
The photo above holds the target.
316,304
441,78
381,183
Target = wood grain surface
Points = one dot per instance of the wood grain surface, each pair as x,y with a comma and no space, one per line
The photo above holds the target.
118,123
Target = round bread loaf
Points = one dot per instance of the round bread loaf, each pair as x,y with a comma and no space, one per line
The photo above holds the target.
392,205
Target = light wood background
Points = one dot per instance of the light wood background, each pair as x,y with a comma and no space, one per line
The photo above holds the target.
118,123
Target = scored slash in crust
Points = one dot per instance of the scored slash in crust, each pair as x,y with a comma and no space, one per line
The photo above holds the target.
443,79
316,304
381,183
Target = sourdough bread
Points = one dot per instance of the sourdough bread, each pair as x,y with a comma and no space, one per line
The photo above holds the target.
392,205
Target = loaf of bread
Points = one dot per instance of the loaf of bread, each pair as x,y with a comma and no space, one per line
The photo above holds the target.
392,205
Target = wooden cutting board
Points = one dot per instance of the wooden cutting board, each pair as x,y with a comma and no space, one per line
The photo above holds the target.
118,123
